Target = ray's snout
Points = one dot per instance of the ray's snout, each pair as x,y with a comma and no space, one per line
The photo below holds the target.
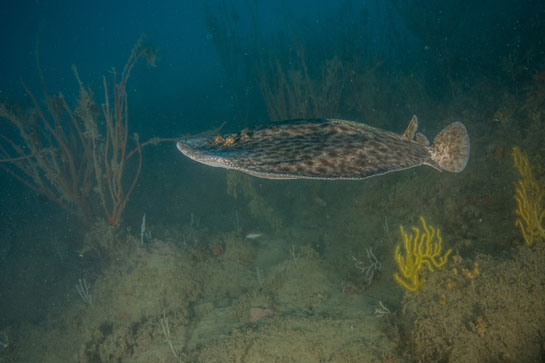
180,145
191,146
199,149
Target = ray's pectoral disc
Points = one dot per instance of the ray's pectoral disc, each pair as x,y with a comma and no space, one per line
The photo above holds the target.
329,149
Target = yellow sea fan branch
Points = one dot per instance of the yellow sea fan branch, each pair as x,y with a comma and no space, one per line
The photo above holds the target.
420,248
529,194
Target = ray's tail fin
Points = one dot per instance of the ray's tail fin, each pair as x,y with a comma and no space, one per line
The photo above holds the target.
450,148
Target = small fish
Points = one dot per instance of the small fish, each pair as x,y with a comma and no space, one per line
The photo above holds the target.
329,149
253,235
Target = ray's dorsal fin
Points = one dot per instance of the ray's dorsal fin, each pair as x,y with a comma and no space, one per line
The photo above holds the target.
411,129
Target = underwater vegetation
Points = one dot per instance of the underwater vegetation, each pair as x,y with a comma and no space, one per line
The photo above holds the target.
66,152
297,76
529,194
292,92
421,248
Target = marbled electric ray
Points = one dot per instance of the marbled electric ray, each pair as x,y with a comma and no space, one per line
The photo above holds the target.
329,149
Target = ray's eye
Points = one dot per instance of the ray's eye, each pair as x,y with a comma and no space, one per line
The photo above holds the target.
219,140
230,140
245,135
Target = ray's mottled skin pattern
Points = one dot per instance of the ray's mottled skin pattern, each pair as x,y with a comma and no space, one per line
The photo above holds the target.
311,149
